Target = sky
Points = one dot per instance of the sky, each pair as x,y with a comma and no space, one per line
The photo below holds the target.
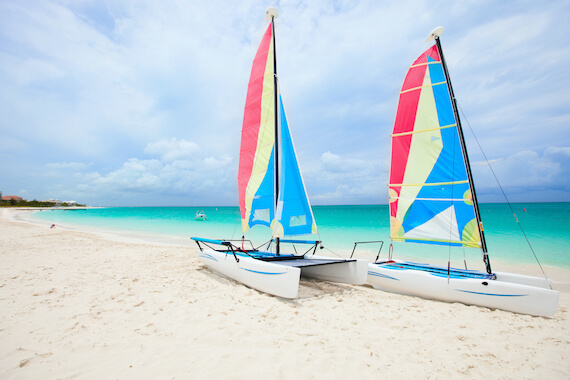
140,103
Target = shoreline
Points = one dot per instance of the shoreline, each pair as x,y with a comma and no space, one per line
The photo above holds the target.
118,236
560,275
76,304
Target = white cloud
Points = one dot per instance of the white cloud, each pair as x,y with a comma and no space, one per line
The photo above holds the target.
527,172
333,163
341,179
68,165
186,177
153,92
173,149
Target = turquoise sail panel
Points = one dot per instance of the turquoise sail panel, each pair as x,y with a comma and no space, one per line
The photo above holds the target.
294,215
263,203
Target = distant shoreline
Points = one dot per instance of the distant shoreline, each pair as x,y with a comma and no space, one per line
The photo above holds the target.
107,233
220,206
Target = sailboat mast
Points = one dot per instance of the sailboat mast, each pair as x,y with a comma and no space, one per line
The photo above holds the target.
276,110
275,100
464,150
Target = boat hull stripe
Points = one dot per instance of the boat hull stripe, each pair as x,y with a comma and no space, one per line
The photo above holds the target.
206,256
260,272
493,294
382,275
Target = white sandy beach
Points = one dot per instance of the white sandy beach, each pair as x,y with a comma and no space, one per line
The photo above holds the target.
75,304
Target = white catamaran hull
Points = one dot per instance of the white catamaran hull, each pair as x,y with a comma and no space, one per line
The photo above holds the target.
511,292
351,272
278,277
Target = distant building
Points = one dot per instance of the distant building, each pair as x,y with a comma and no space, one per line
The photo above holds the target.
56,202
71,203
12,197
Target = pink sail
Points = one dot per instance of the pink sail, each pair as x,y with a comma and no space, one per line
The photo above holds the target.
256,185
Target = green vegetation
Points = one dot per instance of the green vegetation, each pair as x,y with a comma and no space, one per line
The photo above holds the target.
34,203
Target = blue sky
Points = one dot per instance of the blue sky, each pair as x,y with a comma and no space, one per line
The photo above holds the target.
140,103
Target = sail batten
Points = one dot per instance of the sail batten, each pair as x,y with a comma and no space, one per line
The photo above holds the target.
421,87
426,63
427,183
430,194
423,130
434,200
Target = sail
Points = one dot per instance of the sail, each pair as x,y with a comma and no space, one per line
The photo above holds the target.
256,175
294,215
430,195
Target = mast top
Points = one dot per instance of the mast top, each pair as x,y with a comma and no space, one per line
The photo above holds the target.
434,33
270,13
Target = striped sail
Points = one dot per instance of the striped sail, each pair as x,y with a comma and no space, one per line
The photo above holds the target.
256,175
285,209
294,215
430,196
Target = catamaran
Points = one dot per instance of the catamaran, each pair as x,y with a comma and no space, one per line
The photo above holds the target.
433,201
272,194
200,215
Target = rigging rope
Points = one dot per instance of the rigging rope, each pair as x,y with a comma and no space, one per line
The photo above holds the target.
504,194
334,253
235,228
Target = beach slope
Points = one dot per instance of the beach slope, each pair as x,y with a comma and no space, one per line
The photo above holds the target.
75,304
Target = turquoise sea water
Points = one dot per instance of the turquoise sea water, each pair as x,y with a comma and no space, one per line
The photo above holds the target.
546,225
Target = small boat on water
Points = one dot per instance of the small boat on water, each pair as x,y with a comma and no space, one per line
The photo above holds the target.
433,201
272,194
200,215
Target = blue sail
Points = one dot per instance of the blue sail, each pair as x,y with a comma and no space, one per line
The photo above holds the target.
293,215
